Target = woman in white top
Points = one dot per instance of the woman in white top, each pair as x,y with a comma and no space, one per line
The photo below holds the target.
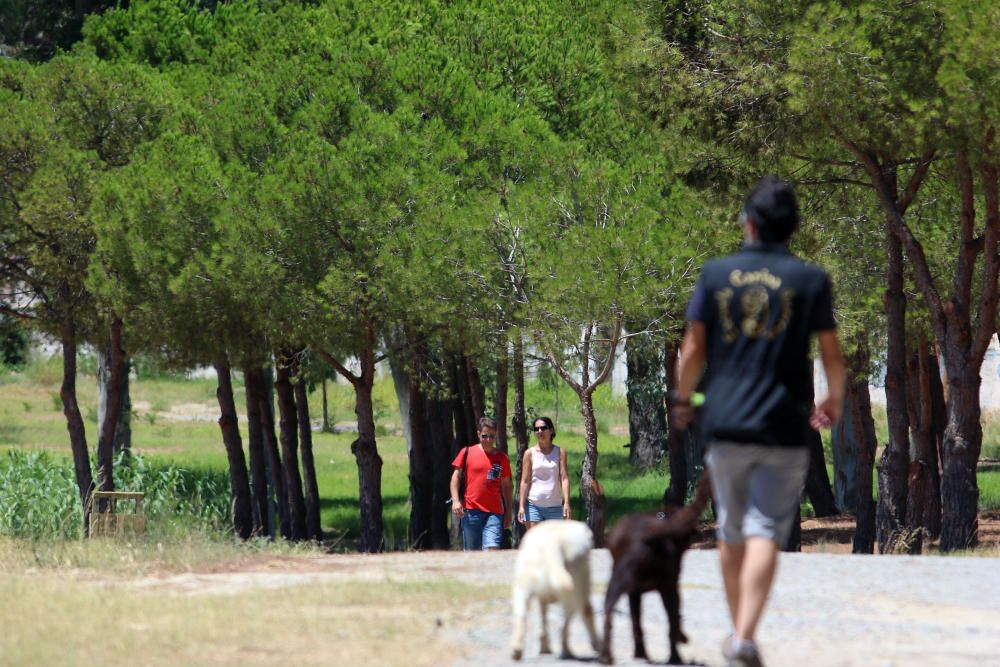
544,478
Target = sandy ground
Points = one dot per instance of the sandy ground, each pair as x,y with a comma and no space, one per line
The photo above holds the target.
828,610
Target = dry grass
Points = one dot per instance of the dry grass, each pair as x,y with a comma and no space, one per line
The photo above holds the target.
117,604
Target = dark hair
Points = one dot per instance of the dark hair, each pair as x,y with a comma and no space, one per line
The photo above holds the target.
548,422
487,422
772,207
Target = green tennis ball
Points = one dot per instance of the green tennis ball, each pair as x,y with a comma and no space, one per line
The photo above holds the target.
697,399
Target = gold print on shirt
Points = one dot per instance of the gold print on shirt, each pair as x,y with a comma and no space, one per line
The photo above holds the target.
764,277
755,307
756,311
786,313
729,332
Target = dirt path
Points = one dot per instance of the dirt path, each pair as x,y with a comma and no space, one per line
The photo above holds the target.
828,610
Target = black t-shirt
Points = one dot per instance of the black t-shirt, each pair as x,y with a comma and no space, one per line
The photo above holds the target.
759,308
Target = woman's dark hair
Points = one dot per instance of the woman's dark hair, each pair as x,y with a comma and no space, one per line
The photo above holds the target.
547,422
771,205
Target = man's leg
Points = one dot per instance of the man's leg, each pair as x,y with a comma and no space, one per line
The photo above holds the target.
774,485
728,466
756,576
731,558
472,530
492,530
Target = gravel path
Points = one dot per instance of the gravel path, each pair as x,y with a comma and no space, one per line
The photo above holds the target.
826,611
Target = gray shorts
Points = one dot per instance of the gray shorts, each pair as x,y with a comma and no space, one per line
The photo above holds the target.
756,489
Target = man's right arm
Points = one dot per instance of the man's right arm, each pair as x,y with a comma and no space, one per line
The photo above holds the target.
456,502
691,367
829,410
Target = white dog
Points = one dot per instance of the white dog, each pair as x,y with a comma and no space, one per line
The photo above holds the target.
553,565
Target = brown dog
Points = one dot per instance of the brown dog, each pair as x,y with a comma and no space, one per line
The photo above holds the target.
647,550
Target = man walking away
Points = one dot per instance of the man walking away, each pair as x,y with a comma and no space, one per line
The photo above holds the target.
750,321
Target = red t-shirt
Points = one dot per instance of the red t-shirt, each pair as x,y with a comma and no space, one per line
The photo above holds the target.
483,473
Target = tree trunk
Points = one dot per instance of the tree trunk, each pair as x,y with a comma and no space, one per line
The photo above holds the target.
818,488
369,465
327,428
939,419
443,442
847,467
647,420
464,430
921,413
676,493
476,393
915,507
794,542
854,437
74,423
421,457
519,424
519,420
401,385
275,472
106,439
893,467
963,321
963,437
238,479
253,378
123,427
500,405
289,428
314,528
590,490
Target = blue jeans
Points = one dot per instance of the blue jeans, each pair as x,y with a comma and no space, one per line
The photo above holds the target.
534,513
481,530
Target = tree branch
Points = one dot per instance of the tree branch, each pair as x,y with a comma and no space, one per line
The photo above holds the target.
337,366
610,361
561,372
916,180
833,179
918,260
7,310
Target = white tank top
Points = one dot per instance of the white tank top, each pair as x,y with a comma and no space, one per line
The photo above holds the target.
545,491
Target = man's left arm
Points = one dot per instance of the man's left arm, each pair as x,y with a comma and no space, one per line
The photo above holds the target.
507,489
830,408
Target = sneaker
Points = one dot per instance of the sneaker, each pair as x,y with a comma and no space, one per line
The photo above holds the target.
747,656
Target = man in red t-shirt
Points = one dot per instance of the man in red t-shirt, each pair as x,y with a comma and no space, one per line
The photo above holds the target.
486,507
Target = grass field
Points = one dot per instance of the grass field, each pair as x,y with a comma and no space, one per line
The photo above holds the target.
174,429
202,602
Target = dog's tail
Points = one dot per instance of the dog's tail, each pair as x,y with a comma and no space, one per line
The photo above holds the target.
702,494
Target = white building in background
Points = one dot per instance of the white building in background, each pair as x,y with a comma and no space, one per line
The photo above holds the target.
989,393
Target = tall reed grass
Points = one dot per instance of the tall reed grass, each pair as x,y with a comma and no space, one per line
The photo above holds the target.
39,499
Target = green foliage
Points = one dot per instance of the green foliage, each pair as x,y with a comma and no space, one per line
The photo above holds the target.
13,342
38,496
